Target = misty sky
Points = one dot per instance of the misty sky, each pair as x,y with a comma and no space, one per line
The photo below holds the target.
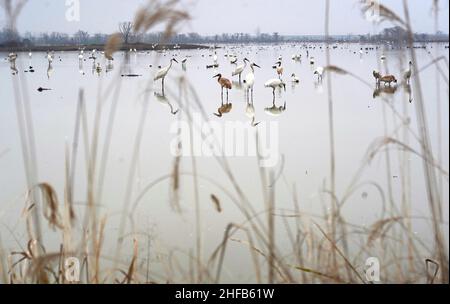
230,16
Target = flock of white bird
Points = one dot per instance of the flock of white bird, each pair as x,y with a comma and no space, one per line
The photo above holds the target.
244,69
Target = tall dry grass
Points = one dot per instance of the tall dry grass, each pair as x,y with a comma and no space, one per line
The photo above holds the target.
324,248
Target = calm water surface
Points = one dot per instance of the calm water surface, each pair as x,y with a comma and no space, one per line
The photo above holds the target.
360,118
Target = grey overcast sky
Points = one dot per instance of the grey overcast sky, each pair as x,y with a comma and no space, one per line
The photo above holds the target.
230,16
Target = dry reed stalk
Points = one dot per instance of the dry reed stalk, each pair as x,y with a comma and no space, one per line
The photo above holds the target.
334,209
155,12
434,198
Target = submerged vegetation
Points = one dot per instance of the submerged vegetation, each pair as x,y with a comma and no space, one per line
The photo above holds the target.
322,249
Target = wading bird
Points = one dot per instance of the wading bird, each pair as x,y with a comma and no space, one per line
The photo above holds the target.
295,79
224,83
162,73
98,69
183,64
279,69
240,69
274,84
408,73
12,57
50,57
319,73
297,57
250,78
377,76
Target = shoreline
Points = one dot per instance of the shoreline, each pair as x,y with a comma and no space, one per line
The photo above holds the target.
101,47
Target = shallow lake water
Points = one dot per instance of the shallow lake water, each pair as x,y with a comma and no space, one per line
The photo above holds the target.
301,141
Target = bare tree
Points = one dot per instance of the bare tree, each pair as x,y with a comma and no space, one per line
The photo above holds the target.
125,29
81,37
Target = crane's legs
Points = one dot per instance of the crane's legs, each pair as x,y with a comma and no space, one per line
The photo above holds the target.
162,86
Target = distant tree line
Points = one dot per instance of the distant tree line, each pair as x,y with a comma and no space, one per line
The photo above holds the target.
399,35
389,35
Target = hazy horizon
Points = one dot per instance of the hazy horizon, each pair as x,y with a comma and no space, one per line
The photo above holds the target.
215,17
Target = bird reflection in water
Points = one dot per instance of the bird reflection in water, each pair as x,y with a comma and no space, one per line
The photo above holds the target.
163,100
408,91
386,91
49,69
275,110
381,91
250,110
225,108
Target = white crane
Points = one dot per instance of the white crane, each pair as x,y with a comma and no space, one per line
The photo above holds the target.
240,69
319,72
296,57
295,79
183,64
12,57
408,73
274,84
162,73
50,56
250,78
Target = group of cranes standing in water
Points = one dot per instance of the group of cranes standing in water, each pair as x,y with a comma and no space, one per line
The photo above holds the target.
246,79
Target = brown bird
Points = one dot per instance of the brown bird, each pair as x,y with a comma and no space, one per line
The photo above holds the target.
377,76
224,83
388,79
